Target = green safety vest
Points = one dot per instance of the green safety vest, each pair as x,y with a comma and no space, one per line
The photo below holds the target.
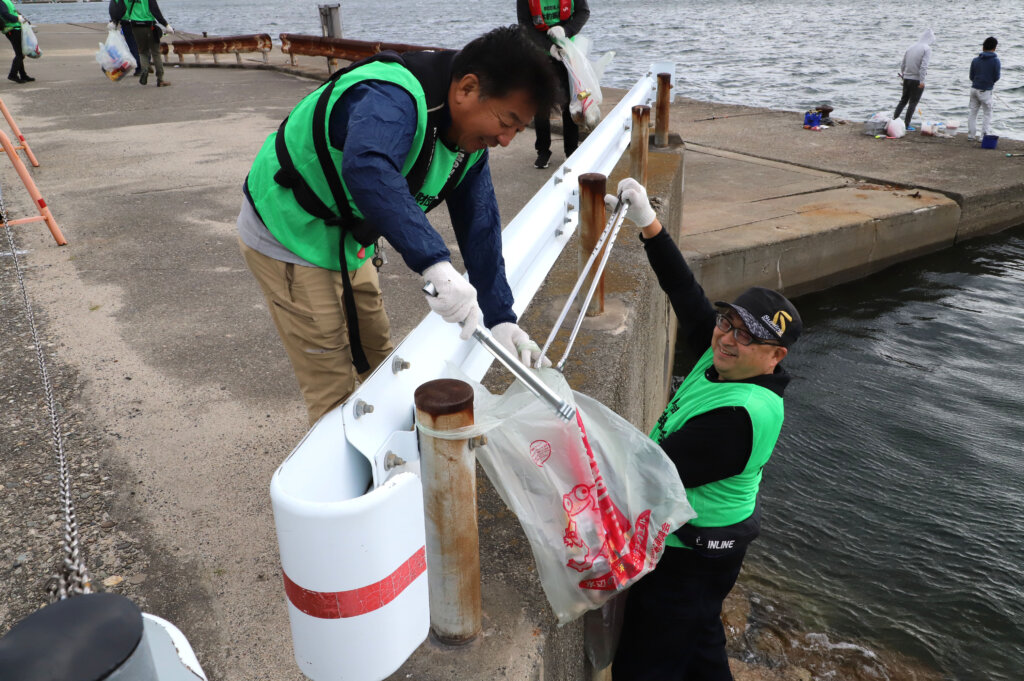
299,206
732,500
548,13
7,26
138,10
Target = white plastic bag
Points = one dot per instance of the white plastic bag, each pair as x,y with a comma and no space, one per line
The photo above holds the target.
595,524
896,128
114,57
29,42
584,79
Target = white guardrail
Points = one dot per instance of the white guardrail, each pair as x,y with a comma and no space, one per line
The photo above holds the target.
349,521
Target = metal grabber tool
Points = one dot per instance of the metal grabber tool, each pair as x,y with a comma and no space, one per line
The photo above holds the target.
565,411
611,231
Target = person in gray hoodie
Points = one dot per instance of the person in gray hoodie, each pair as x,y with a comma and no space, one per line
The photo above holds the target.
984,74
913,71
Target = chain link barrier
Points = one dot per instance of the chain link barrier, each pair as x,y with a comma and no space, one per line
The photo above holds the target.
73,578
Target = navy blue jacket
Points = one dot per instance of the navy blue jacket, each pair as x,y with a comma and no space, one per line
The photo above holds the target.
374,123
984,71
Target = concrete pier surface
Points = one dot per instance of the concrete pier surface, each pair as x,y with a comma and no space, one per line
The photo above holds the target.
180,400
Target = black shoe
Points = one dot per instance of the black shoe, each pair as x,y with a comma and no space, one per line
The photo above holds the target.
143,78
16,79
27,79
543,159
137,73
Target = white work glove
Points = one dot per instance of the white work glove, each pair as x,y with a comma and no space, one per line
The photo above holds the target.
111,25
556,33
518,343
169,29
456,298
639,211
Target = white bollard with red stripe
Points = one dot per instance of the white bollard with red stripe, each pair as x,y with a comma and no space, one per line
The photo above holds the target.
353,559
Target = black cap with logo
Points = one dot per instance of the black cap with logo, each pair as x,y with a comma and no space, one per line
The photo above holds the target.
768,315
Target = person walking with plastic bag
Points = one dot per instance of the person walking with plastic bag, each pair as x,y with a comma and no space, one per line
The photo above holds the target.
566,18
913,70
11,24
985,71
719,430
144,16
126,31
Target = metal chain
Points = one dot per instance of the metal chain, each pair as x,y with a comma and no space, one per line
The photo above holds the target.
73,578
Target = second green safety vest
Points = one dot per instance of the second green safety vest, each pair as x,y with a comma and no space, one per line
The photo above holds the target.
6,25
138,10
548,13
299,205
732,500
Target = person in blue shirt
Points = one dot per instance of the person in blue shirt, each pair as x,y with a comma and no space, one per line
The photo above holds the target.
984,74
361,160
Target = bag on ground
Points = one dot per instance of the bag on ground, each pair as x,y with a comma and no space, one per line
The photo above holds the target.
896,128
29,42
595,497
114,57
877,123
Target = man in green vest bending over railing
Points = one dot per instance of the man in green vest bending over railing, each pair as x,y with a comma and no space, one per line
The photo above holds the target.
362,159
719,429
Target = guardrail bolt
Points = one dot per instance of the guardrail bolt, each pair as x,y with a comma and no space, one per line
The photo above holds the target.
362,408
399,364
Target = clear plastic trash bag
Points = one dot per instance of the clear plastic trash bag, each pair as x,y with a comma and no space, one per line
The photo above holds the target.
114,57
584,79
29,42
596,517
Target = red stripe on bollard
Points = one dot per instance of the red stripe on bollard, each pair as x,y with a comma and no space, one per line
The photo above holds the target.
42,203
337,604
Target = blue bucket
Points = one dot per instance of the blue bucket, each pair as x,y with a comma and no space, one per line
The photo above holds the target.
989,141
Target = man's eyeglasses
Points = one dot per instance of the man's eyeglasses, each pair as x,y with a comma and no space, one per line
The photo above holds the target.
742,336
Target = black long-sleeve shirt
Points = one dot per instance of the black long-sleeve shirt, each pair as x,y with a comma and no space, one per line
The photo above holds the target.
716,444
580,14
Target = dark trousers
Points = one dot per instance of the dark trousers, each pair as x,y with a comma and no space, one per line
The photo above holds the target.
542,122
129,39
672,629
910,97
18,65
149,50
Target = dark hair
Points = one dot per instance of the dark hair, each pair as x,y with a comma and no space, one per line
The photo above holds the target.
989,44
505,60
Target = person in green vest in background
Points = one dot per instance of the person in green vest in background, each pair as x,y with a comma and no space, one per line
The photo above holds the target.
362,159
143,16
539,17
719,429
11,24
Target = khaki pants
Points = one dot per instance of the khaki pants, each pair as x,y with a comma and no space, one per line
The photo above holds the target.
306,306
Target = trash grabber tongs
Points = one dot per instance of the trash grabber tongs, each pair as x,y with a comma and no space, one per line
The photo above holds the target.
565,411
611,231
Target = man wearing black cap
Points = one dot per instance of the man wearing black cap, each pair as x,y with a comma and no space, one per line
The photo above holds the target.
719,429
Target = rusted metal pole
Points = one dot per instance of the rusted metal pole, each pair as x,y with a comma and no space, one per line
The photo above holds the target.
448,471
592,220
638,144
661,116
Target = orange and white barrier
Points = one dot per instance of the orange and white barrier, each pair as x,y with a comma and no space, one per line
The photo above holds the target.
17,133
37,198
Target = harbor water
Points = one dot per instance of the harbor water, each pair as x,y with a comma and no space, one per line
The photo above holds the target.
783,54
892,504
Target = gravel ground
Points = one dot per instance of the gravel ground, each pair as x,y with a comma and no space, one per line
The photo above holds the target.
31,520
